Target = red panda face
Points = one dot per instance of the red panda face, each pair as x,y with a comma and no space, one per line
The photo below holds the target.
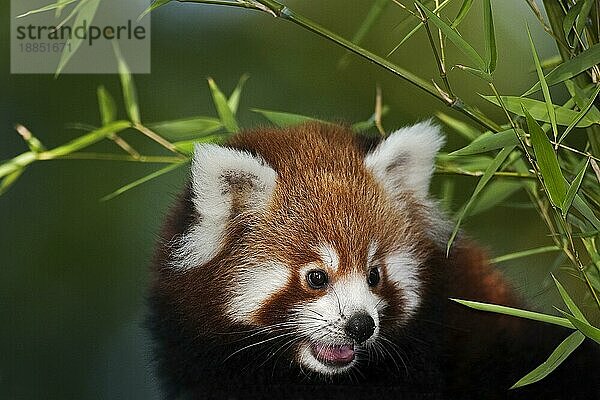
319,245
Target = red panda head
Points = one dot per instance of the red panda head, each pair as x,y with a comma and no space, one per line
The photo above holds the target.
303,235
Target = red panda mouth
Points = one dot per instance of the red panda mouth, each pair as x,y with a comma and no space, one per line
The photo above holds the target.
337,355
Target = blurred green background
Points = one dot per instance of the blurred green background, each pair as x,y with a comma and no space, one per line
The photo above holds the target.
73,270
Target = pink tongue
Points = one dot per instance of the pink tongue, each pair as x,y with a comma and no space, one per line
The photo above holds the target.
335,354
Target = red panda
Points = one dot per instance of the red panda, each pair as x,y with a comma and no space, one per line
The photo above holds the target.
309,263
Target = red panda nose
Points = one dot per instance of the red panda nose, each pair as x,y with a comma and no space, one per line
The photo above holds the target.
360,327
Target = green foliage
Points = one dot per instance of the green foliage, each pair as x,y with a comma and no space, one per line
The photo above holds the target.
508,155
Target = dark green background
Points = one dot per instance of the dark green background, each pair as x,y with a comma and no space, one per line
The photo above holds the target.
73,270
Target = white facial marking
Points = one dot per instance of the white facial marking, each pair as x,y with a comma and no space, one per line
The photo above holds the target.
371,253
324,319
216,171
405,160
329,256
404,270
254,285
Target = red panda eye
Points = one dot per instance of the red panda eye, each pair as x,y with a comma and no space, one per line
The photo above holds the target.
316,279
373,278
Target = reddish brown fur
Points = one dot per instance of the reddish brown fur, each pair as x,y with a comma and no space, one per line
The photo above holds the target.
324,194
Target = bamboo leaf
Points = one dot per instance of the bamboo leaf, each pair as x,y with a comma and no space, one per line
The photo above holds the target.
515,312
584,327
473,71
569,20
365,27
573,188
454,37
140,181
586,211
568,301
547,162
487,142
187,127
88,139
225,113
464,129
416,28
86,10
560,354
187,146
583,15
524,253
363,126
494,194
462,13
156,4
49,7
488,174
9,180
570,68
128,87
282,119
490,36
544,86
234,99
108,108
586,108
538,110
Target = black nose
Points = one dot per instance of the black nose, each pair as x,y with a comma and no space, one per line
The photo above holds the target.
360,327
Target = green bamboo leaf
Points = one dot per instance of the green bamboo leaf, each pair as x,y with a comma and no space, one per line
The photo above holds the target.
573,188
454,37
363,126
569,301
488,174
586,108
282,119
128,87
569,20
584,327
225,113
462,13
464,129
524,253
234,99
571,68
585,210
560,354
88,139
9,180
187,146
416,28
583,15
86,10
544,86
515,312
473,71
49,7
140,181
538,110
495,194
108,108
487,142
187,127
547,162
365,27
156,4
490,36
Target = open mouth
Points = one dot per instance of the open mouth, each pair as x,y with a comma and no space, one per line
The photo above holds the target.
333,354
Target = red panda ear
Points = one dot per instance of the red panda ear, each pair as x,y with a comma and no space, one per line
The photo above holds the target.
225,183
404,161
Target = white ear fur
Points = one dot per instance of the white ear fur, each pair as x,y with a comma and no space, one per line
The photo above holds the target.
405,160
224,182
